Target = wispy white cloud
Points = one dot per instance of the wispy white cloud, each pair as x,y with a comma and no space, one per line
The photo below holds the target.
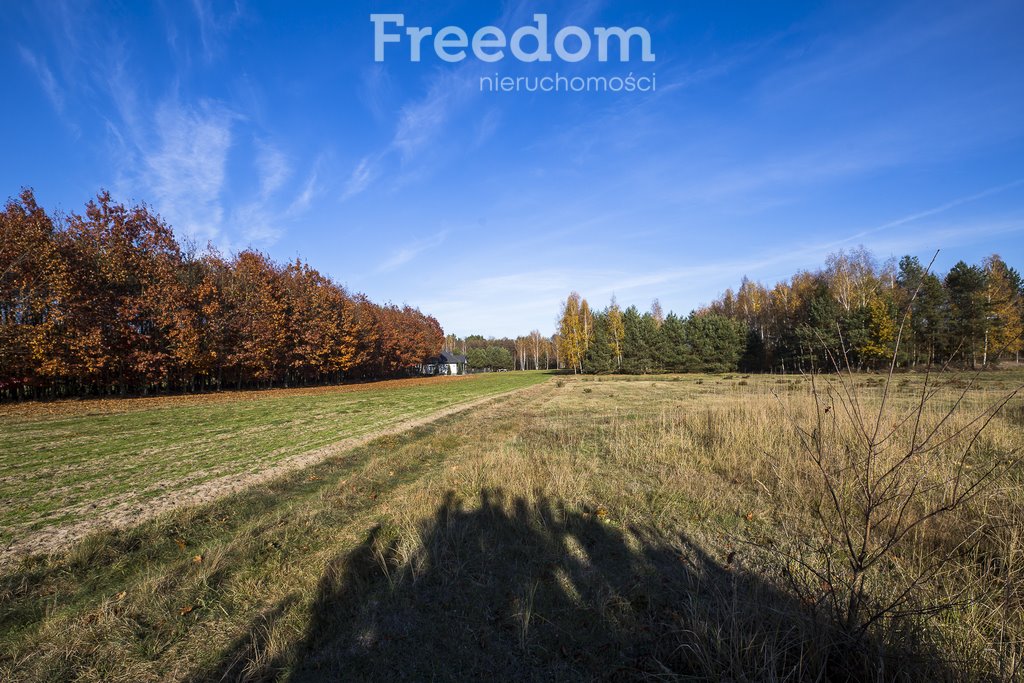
512,301
207,26
273,167
186,170
263,219
420,121
50,87
256,222
363,174
906,29
799,168
376,89
941,208
423,121
46,80
169,148
410,251
309,190
214,26
486,127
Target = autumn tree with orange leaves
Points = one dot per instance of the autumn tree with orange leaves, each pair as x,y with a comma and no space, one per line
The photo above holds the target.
108,302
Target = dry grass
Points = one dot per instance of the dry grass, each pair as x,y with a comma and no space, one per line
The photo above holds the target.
638,529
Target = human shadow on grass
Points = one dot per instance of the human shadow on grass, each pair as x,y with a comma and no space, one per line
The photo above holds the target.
511,589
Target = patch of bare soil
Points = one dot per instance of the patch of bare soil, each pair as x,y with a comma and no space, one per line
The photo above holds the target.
133,512
72,407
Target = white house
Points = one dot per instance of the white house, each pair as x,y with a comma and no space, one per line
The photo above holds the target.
445,364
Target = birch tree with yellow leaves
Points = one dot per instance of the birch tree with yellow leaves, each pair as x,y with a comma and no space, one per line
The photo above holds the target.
1002,294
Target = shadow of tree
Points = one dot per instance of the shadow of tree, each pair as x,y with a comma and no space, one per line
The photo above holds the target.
527,590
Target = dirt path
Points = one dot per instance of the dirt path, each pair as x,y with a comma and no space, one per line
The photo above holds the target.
131,513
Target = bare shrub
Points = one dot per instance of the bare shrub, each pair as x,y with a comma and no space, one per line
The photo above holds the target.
895,484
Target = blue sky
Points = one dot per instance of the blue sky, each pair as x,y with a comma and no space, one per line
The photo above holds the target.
778,132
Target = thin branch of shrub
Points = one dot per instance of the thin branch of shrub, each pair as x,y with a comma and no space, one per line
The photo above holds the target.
873,497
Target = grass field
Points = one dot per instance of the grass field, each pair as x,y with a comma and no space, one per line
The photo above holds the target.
79,460
586,528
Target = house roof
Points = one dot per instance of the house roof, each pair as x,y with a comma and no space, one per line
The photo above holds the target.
448,357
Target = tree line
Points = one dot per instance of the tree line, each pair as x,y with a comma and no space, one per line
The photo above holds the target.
529,352
848,312
628,341
108,302
969,317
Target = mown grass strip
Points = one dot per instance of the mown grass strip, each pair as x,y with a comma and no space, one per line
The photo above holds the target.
51,467
252,534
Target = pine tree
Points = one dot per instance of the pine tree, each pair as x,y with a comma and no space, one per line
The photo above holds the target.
599,357
638,342
967,294
673,352
715,342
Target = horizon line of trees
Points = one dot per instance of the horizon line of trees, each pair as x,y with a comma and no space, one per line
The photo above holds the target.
530,352
109,302
969,317
849,311
631,342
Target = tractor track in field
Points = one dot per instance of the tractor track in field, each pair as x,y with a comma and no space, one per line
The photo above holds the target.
117,512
